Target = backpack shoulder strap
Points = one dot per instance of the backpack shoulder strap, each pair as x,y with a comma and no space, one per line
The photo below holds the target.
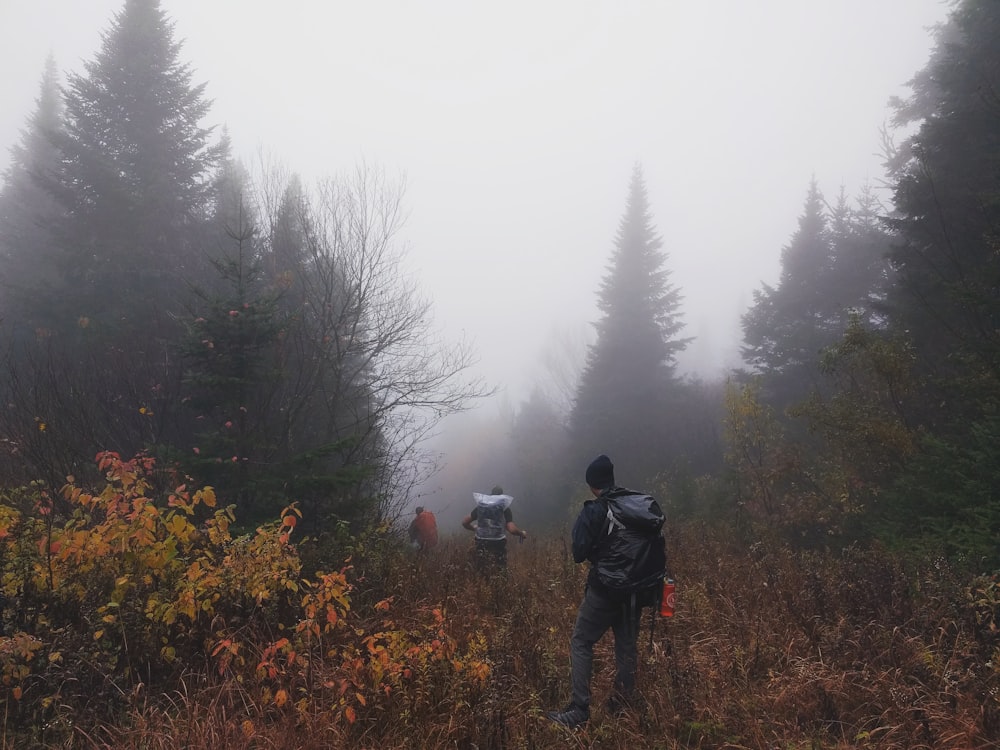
611,521
608,516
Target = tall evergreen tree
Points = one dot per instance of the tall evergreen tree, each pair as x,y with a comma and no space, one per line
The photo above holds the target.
785,328
947,199
232,369
860,271
134,188
629,385
833,272
27,208
136,179
27,271
233,204
946,295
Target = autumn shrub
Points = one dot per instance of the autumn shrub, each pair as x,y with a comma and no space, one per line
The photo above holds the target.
125,591
139,588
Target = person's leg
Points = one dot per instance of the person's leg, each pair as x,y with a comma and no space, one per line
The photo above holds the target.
595,616
626,630
492,554
498,575
501,554
482,557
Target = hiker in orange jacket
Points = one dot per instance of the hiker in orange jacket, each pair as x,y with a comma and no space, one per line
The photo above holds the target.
423,530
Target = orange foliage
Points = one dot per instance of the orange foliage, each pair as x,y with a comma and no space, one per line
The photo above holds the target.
138,585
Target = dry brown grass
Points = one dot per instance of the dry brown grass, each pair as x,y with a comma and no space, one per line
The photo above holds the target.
769,649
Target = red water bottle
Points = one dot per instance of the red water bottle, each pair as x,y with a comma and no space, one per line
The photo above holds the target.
667,602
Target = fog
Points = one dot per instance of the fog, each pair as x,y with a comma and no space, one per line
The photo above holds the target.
515,127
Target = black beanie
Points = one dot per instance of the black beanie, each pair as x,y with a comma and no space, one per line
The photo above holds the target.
601,473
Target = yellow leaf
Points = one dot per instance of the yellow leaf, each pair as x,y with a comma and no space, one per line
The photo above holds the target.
248,728
281,698
98,634
208,497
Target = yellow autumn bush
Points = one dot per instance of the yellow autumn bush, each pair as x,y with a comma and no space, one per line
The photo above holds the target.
136,586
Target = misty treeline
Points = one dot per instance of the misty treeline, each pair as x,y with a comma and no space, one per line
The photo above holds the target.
868,405
258,334
251,332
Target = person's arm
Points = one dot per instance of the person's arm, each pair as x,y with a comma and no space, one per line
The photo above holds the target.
586,530
508,517
467,522
512,528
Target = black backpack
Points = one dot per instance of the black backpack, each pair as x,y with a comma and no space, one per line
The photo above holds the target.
631,552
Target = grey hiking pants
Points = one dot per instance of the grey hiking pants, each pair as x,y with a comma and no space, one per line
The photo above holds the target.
597,613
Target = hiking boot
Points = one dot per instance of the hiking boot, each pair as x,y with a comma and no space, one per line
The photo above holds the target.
570,717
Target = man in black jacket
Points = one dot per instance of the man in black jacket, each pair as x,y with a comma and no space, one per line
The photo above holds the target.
602,607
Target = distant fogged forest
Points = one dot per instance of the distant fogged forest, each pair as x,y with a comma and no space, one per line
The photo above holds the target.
244,357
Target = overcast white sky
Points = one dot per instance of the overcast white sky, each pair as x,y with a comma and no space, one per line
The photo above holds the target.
517,123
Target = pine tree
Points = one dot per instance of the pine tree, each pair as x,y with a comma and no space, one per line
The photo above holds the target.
860,273
834,274
231,372
27,208
947,200
134,190
785,328
946,295
623,403
136,179
232,193
833,271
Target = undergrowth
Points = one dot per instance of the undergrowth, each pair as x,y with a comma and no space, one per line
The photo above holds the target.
137,621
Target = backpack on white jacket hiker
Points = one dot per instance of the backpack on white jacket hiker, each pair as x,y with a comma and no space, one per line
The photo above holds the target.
490,522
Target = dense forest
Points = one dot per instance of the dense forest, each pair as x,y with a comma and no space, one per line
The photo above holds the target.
218,387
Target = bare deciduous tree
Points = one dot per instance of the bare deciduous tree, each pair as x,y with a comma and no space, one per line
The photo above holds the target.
370,371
